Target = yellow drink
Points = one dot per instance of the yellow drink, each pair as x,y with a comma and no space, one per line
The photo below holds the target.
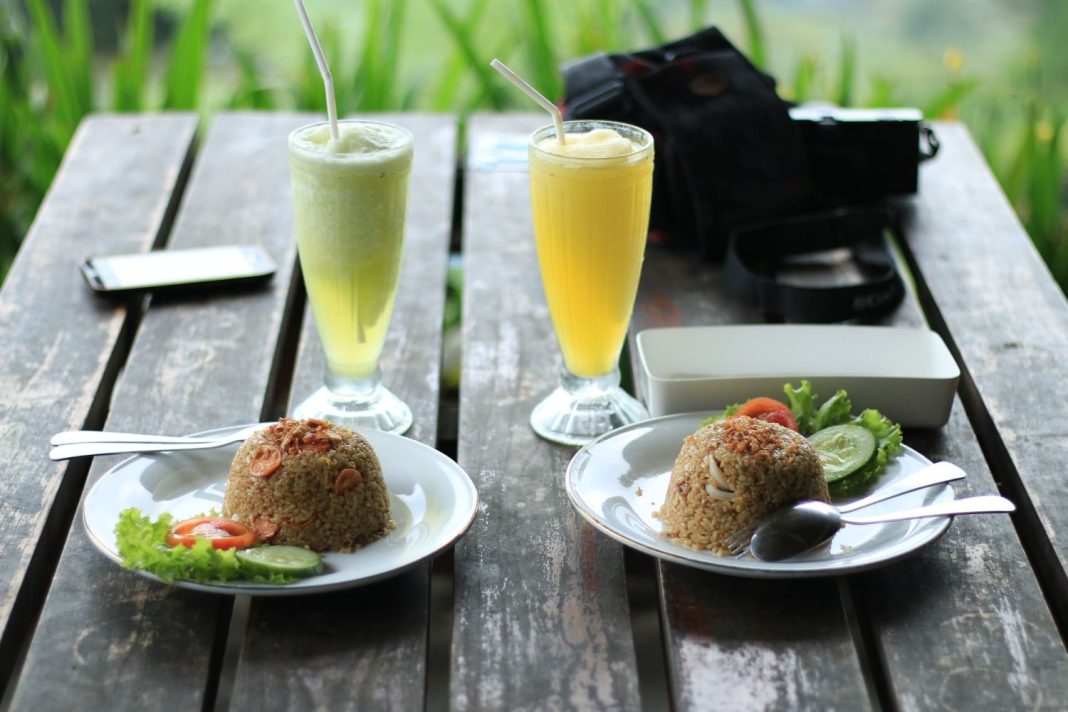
349,201
590,201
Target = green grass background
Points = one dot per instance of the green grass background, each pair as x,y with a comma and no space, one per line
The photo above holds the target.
1001,66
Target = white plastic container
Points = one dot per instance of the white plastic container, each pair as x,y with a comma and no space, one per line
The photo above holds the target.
908,374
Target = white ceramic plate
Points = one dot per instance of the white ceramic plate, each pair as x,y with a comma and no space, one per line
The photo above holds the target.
432,500
619,480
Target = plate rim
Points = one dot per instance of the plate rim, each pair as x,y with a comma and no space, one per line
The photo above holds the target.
460,480
728,565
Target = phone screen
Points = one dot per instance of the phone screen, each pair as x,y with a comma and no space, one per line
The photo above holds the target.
167,268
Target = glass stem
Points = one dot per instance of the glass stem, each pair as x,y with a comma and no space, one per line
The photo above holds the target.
587,387
352,388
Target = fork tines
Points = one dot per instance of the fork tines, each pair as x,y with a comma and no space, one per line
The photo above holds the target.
738,542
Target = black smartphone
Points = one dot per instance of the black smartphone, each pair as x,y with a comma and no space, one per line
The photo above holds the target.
225,265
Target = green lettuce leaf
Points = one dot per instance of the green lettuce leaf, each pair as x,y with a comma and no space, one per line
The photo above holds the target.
835,410
142,545
727,412
802,402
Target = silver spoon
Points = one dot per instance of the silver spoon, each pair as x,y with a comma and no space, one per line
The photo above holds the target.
933,474
796,529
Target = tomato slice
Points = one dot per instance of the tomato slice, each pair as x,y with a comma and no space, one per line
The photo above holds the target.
768,409
223,533
780,417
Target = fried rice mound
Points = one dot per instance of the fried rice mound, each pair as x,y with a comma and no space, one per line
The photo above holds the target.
733,472
309,483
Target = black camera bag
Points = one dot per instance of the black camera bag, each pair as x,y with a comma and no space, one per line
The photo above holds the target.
727,152
730,156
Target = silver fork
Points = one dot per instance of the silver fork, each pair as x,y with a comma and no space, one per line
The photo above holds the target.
738,542
82,443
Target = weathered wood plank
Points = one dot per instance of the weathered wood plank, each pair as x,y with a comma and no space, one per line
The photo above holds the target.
112,194
980,611
541,618
124,642
350,650
1009,321
967,609
741,644
366,648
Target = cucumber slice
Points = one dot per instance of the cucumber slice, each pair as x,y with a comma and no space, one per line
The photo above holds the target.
289,560
843,449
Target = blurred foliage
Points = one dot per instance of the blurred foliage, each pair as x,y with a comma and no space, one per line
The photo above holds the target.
60,59
49,81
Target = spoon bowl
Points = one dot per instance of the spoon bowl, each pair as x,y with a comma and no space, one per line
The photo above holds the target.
794,530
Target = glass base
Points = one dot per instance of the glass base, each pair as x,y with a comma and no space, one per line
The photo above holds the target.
379,410
583,409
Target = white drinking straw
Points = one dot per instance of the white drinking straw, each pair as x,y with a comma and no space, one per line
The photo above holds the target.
534,94
324,68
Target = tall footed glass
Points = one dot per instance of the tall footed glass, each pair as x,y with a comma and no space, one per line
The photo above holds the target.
590,201
349,199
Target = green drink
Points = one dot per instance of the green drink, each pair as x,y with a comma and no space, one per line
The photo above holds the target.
349,198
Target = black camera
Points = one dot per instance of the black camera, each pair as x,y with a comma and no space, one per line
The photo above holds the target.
863,155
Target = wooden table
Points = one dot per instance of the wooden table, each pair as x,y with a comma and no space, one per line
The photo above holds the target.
533,609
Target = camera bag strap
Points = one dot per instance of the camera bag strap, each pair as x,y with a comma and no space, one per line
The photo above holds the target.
755,254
